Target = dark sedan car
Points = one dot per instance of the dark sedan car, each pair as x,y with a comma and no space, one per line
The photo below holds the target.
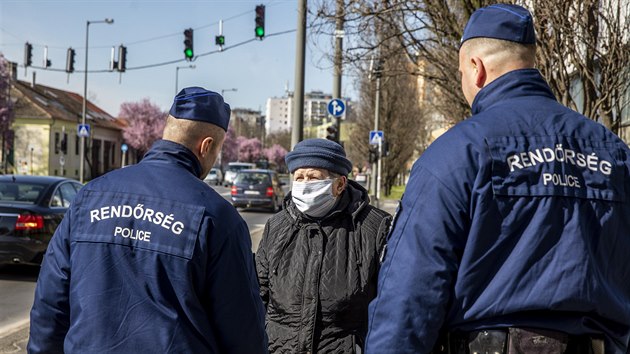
31,208
257,188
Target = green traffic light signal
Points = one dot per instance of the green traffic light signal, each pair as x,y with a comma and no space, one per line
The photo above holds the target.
260,32
188,44
260,22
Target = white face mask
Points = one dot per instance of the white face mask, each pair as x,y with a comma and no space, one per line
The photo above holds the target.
315,198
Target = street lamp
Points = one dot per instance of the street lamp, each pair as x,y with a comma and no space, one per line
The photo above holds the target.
223,91
109,21
177,74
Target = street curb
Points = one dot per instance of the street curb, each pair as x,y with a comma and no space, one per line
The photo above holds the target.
16,326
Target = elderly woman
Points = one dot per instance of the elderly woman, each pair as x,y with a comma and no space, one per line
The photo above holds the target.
318,260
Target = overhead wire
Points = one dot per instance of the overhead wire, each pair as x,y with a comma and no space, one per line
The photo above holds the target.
216,51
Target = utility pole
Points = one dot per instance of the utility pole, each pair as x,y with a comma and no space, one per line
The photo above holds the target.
297,134
340,16
376,166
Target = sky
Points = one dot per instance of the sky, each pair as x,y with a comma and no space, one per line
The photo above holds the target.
152,31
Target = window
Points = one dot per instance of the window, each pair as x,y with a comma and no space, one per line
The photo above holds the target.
68,192
57,200
56,143
77,141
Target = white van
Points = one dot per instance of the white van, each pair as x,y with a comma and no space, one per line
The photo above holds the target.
232,170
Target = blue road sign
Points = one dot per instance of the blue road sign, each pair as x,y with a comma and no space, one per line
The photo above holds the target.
83,130
124,147
336,107
376,137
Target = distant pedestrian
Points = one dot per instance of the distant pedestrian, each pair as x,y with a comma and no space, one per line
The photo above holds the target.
319,257
149,259
513,235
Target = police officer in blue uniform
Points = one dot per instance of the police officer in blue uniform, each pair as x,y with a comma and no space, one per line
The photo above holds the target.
512,235
149,259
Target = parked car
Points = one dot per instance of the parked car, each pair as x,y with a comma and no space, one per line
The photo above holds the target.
233,169
257,188
31,208
215,176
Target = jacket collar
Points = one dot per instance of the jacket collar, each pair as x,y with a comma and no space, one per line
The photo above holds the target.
168,152
517,83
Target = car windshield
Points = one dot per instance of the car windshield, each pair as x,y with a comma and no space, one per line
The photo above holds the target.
252,178
14,192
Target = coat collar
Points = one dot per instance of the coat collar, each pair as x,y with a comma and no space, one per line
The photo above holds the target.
165,151
517,83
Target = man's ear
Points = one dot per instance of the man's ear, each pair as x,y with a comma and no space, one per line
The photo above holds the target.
341,185
480,72
206,146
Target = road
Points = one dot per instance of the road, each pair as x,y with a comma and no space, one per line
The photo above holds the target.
17,286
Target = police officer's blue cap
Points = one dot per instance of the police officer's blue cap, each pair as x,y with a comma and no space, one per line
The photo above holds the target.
319,153
197,103
501,21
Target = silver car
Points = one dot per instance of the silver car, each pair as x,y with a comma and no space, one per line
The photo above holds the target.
215,176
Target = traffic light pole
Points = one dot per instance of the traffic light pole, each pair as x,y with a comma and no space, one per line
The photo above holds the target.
297,134
84,110
338,60
376,166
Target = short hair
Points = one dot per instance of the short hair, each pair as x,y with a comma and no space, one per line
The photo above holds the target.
190,132
509,50
333,174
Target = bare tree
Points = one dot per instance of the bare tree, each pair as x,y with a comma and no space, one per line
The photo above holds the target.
584,53
6,114
282,138
580,41
400,114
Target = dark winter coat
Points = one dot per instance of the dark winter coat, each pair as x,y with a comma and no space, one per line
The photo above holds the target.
317,277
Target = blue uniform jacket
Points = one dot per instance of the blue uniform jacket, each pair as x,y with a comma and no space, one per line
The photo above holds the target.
149,259
517,216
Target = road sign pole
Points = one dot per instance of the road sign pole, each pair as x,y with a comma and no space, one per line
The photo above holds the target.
123,159
376,167
380,170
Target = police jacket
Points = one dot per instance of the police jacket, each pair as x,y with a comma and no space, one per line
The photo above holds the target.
518,216
318,276
149,259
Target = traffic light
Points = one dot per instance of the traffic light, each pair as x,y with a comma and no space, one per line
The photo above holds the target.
219,40
46,62
373,154
70,61
28,54
385,148
260,22
188,44
122,58
333,133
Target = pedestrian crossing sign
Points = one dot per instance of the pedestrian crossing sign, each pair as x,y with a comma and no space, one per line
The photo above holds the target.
376,137
83,130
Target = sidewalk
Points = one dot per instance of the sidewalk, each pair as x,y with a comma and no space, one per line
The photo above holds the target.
389,205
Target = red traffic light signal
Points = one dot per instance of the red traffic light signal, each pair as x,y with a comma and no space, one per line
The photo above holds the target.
189,53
